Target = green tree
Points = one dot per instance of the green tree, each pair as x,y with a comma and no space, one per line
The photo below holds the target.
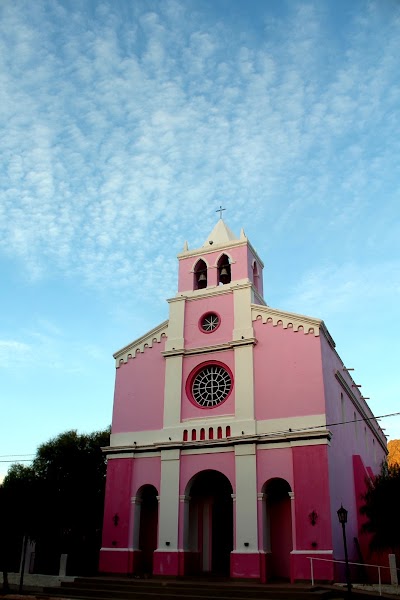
58,501
382,501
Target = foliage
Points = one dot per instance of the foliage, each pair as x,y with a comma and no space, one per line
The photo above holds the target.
58,500
382,501
394,452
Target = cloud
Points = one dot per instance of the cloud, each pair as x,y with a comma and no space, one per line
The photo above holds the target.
126,128
334,289
13,353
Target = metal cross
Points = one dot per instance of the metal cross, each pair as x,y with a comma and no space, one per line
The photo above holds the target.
220,211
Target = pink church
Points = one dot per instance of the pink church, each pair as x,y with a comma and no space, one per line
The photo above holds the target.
237,433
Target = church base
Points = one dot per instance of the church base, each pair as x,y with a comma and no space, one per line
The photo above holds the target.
118,560
167,563
300,566
246,565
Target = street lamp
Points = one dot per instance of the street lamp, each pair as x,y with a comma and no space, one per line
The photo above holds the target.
342,516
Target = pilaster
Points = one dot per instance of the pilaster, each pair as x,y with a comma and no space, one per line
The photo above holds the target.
246,538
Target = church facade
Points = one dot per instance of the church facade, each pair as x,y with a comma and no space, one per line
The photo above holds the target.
237,433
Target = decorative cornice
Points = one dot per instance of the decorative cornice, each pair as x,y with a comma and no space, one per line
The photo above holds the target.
262,439
363,409
216,247
138,346
211,291
208,349
288,320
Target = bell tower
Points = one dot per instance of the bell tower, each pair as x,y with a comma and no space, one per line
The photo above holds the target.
210,332
223,259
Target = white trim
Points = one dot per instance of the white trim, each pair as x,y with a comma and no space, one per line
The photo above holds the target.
215,450
247,551
311,552
116,549
138,346
121,455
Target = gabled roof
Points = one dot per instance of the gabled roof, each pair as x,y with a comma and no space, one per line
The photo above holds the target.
138,346
221,234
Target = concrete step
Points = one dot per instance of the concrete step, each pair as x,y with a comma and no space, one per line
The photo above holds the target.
138,589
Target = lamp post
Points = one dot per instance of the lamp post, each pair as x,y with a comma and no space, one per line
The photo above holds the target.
342,516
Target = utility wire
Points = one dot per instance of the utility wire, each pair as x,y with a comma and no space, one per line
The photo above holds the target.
281,432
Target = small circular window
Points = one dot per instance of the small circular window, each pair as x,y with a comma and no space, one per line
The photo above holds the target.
210,386
209,322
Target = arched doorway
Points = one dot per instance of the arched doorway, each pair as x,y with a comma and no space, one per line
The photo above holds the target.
278,527
148,528
211,522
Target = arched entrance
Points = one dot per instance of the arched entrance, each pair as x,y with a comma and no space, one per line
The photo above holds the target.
278,527
148,529
211,522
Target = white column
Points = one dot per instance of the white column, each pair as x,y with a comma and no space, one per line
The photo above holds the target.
175,339
185,506
292,508
246,498
265,525
244,384
169,500
136,503
172,391
173,364
244,367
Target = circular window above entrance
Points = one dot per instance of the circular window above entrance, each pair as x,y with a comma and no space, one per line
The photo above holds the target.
210,385
209,322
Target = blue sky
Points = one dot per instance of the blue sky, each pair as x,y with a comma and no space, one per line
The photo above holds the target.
126,124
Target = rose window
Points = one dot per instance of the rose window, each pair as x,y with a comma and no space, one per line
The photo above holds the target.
211,386
209,322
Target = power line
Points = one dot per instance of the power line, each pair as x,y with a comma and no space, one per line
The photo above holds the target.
284,431
12,455
17,461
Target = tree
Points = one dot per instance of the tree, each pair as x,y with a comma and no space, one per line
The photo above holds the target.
394,452
58,501
382,501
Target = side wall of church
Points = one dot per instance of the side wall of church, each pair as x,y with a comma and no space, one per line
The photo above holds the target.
352,436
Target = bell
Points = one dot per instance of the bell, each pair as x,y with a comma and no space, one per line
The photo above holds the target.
202,278
224,272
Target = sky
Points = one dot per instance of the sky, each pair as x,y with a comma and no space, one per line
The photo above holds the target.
126,124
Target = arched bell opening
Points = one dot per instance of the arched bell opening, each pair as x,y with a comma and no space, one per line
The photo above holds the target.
210,522
148,528
277,527
200,275
224,270
256,276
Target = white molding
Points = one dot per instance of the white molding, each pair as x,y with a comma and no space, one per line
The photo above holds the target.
217,450
139,345
297,322
311,552
116,549
121,455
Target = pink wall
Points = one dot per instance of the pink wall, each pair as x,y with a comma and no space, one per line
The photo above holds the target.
189,410
117,502
195,309
272,463
288,373
139,392
347,440
311,493
146,471
191,465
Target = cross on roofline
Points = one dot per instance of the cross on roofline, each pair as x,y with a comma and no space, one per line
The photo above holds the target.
220,209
